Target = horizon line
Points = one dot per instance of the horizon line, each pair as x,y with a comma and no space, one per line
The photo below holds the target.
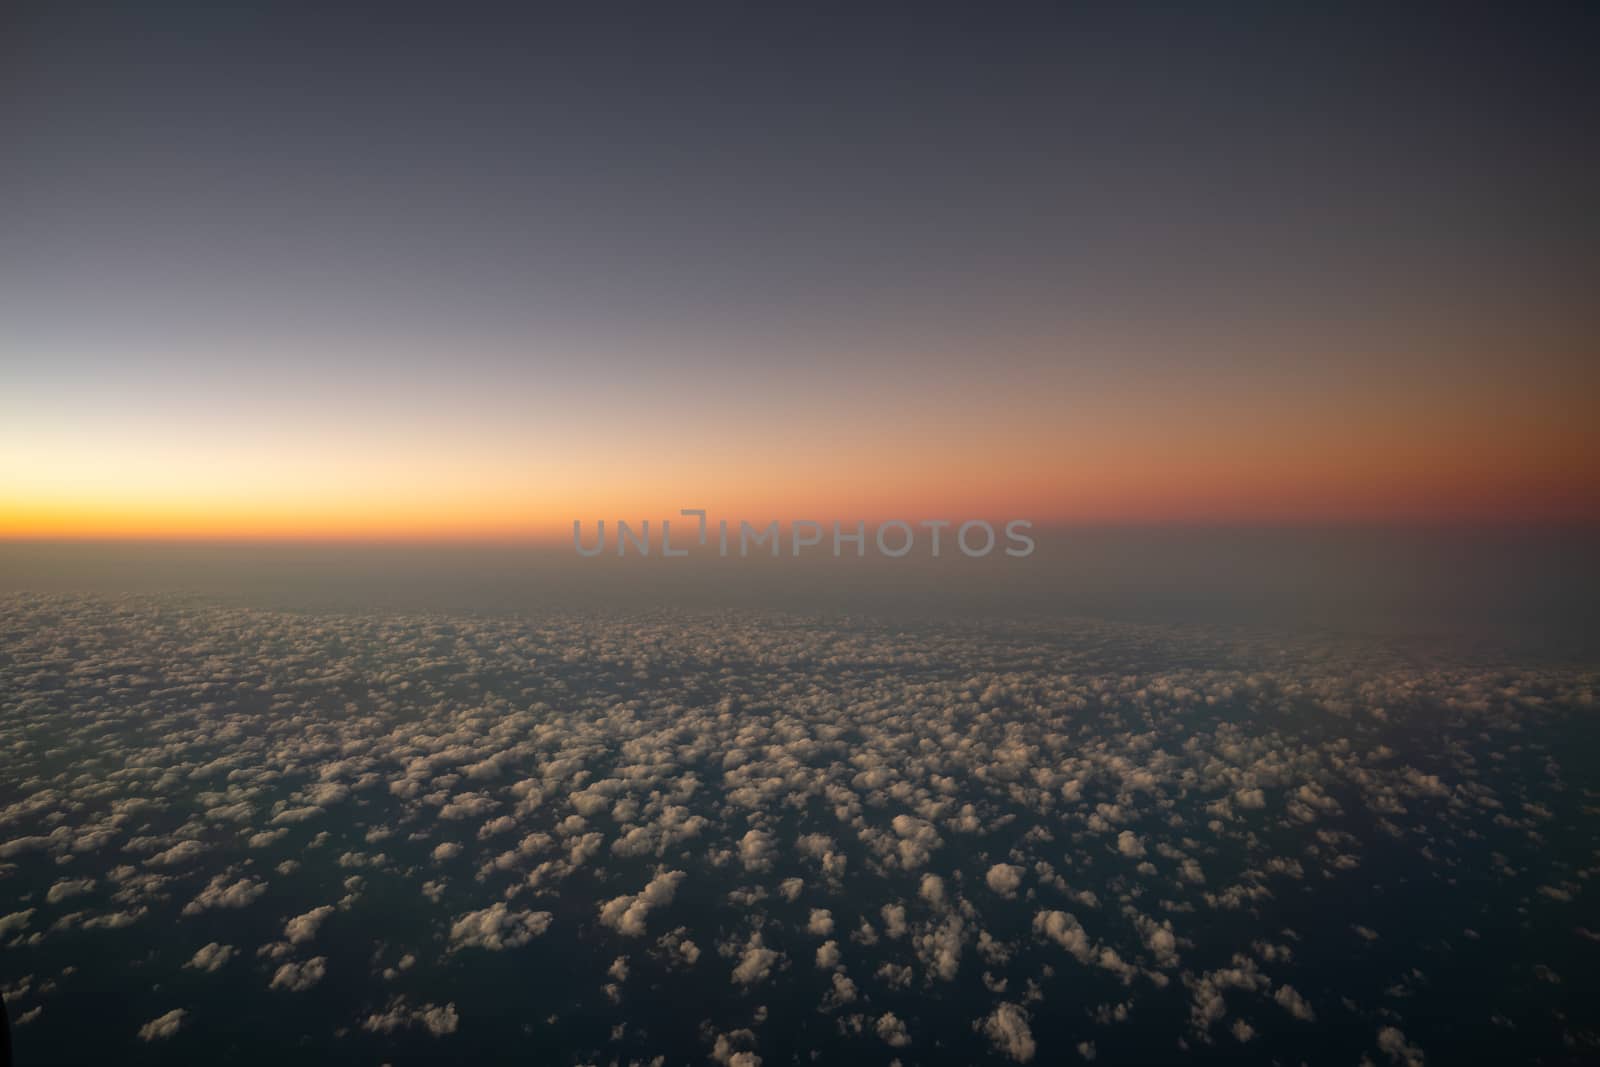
1575,525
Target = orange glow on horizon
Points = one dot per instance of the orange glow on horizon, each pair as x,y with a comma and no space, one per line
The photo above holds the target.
1194,492
1181,450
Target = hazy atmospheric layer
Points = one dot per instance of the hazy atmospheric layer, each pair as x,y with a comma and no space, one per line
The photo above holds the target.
235,833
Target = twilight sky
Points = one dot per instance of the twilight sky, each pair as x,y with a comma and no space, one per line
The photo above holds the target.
469,273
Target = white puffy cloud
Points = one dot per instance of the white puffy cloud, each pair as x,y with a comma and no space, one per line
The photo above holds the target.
1004,878
1250,799
497,927
939,947
1009,1033
291,816
68,888
17,920
303,928
298,977
1294,1003
735,1049
211,957
918,840
220,892
163,1027
468,806
892,1030
184,852
1064,929
627,914
756,962
757,850
1393,1044
436,1019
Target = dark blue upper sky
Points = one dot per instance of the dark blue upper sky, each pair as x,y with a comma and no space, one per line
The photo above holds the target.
803,167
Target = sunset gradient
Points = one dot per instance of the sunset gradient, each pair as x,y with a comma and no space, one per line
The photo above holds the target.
292,457
956,278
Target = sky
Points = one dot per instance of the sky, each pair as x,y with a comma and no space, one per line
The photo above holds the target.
466,274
